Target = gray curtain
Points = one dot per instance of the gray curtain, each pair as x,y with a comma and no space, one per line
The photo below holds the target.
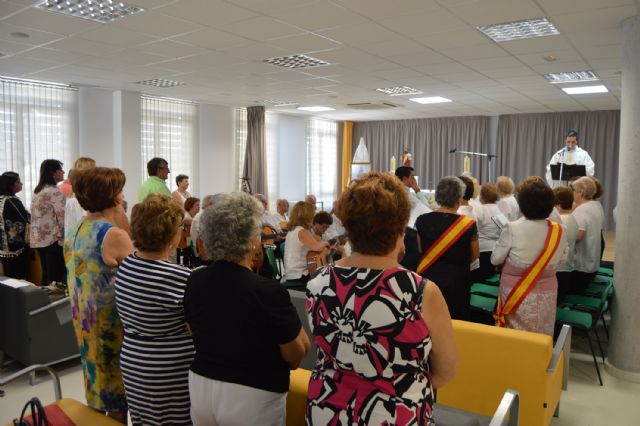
255,158
526,143
429,141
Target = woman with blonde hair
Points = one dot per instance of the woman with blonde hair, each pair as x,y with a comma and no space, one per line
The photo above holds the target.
383,334
299,241
93,249
81,163
157,348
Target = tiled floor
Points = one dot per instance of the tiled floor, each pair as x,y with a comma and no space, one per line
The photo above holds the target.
585,403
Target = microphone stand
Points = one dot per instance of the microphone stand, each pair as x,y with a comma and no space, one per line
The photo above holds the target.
561,166
479,154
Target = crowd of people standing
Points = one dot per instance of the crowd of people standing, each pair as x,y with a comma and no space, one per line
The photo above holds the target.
171,345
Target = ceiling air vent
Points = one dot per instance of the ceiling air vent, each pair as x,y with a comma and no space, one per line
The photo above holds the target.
372,105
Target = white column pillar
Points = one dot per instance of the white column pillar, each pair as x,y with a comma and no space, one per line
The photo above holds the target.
215,151
624,347
127,140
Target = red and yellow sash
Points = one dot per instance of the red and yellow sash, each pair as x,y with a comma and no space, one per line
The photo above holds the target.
446,240
522,288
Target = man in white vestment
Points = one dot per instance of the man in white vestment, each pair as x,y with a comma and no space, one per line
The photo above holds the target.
571,154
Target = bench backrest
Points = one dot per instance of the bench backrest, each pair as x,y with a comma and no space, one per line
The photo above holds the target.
492,360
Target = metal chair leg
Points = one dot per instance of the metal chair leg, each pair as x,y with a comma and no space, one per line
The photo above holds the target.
606,329
595,361
599,345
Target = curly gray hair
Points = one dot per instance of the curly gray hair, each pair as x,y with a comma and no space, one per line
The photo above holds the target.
229,225
449,191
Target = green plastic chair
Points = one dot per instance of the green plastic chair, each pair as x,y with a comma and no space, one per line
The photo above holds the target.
495,280
273,263
581,322
596,306
485,290
486,304
608,272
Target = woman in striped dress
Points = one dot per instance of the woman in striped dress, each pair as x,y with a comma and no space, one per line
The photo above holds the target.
157,348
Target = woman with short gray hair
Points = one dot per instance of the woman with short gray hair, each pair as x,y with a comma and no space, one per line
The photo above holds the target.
246,331
447,265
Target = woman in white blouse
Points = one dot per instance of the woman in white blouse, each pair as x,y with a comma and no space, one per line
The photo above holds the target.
520,244
489,231
590,218
298,243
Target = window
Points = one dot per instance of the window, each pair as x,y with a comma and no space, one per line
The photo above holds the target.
322,161
240,131
169,129
37,121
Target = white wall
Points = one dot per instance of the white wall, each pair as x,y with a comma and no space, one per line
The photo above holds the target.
109,130
95,124
215,160
293,157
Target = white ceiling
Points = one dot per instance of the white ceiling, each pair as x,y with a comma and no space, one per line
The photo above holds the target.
217,47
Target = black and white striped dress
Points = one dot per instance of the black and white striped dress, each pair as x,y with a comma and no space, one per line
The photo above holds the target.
157,349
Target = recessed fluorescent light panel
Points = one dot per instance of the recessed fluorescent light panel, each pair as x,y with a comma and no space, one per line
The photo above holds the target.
160,82
582,90
571,77
276,102
296,61
430,100
104,11
518,30
399,91
316,108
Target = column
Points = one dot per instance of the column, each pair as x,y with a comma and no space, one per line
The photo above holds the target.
624,347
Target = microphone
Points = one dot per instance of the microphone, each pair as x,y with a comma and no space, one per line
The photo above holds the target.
453,150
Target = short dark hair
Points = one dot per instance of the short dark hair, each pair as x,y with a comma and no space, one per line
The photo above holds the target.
564,197
7,180
488,193
154,164
47,169
180,178
190,202
536,200
468,183
403,172
323,218
374,209
571,133
96,189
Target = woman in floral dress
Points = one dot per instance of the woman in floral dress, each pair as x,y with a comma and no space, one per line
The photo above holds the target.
383,333
94,247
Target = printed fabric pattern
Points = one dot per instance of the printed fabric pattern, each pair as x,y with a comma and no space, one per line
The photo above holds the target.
95,319
47,217
373,347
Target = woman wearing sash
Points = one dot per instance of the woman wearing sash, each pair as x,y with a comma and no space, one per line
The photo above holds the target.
449,243
531,249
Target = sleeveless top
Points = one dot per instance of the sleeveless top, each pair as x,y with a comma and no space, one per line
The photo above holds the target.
95,319
295,255
373,347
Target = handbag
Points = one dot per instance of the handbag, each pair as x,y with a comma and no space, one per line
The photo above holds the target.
51,415
38,414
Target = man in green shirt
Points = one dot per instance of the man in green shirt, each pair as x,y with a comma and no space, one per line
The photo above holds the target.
158,170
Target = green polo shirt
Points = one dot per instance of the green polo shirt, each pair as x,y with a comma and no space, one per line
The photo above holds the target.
153,185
